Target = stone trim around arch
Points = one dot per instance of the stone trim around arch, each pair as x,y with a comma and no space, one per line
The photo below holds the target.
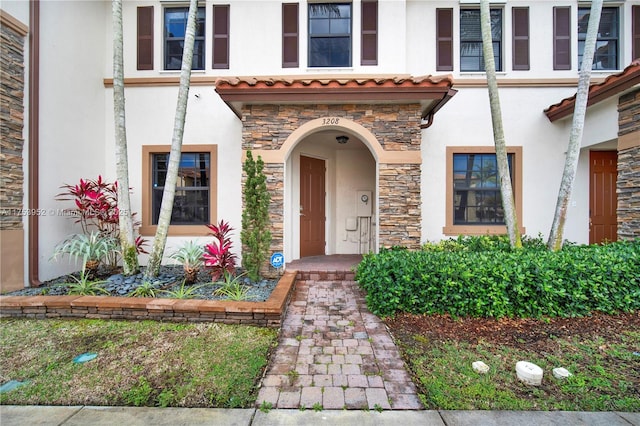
346,125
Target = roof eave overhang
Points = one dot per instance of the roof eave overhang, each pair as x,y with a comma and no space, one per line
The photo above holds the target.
430,97
611,86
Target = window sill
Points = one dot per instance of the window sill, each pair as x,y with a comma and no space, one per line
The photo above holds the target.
604,72
177,72
176,231
456,230
480,73
478,1
328,69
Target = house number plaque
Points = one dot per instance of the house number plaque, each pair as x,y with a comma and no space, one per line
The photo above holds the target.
330,120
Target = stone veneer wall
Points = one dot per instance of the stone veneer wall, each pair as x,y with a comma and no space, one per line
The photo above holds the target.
11,125
629,167
12,87
396,127
399,197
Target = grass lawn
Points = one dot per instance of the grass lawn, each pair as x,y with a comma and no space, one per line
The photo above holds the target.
138,363
602,352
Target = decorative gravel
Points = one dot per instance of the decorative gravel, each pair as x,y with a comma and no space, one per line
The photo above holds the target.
169,279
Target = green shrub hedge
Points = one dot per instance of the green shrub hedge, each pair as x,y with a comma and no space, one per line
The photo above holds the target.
483,277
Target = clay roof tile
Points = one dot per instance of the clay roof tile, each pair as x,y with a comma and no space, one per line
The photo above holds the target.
612,85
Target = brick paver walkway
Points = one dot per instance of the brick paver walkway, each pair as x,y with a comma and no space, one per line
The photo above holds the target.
334,353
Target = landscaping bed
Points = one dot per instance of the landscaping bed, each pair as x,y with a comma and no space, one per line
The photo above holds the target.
460,301
267,313
166,285
602,352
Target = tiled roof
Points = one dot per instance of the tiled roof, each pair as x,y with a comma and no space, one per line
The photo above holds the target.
612,85
432,92
332,81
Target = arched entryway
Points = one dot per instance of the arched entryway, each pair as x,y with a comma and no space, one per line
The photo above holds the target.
330,191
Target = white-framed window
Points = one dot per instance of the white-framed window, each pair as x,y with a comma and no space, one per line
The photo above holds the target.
330,38
607,41
175,26
471,56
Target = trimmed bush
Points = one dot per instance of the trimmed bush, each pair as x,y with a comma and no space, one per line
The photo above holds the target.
481,277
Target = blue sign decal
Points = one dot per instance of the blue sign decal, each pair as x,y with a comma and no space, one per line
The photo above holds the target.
277,260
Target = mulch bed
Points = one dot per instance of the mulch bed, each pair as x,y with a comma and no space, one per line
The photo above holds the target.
517,332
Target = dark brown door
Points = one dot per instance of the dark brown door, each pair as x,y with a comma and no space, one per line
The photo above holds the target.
603,201
312,216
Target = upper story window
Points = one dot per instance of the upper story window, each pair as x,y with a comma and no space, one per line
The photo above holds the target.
175,26
471,57
329,35
606,53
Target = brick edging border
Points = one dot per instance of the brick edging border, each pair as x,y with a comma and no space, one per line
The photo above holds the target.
265,314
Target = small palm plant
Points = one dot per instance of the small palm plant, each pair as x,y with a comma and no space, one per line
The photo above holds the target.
231,288
182,292
84,286
92,249
190,256
146,289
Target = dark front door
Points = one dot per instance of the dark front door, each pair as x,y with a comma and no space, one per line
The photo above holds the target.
312,214
603,201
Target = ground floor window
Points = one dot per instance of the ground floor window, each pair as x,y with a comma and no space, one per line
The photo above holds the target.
195,198
191,203
474,201
476,189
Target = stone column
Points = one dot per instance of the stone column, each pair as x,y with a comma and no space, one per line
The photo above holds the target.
628,182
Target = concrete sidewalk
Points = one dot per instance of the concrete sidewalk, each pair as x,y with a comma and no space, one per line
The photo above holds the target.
12,415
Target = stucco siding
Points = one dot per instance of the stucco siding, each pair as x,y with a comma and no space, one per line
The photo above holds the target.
410,199
72,111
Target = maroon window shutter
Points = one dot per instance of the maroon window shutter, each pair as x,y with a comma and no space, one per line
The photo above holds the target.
520,38
444,39
145,38
289,35
220,36
562,38
369,32
635,32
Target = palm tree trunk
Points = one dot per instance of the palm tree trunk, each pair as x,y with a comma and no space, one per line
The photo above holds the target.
125,221
168,195
577,127
508,205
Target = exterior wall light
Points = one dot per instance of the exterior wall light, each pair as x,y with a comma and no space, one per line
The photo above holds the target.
342,139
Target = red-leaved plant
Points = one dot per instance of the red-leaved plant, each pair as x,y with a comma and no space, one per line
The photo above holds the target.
218,255
96,204
97,208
